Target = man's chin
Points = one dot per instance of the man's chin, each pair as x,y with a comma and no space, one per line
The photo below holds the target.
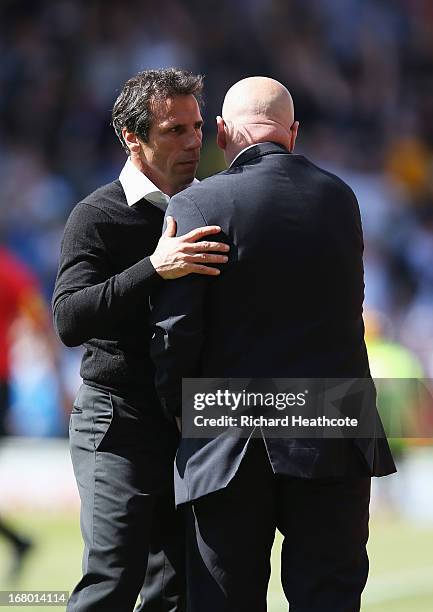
187,173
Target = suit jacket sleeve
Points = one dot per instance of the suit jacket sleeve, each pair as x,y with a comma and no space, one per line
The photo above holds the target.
177,315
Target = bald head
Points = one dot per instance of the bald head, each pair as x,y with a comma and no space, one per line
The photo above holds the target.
258,99
256,109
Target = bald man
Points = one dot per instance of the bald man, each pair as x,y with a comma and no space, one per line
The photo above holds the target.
287,305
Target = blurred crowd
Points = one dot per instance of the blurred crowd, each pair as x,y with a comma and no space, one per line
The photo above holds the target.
361,74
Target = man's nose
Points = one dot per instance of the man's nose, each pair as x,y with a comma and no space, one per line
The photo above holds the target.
194,140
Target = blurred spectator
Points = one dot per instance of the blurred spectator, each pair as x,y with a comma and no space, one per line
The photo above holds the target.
399,381
26,341
405,402
18,297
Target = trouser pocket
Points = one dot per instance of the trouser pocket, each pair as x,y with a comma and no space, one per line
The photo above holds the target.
91,417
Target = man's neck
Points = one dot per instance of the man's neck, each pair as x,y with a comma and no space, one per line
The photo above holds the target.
156,178
255,133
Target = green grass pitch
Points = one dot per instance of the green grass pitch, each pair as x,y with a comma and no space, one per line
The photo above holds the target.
401,562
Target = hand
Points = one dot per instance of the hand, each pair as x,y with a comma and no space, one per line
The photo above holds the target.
178,256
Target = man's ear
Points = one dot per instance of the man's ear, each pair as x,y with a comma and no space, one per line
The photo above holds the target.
132,141
293,134
221,133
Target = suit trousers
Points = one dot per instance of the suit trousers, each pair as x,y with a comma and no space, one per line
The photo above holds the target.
324,523
122,452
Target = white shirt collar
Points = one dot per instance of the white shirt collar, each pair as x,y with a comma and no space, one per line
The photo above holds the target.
137,185
243,151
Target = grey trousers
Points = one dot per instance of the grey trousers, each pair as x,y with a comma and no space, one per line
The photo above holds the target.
122,452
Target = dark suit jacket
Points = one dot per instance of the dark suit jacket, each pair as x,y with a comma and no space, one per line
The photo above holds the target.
288,304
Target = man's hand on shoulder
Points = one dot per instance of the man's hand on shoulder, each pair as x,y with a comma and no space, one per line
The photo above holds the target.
178,256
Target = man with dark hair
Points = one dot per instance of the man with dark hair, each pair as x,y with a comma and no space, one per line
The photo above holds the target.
135,108
112,260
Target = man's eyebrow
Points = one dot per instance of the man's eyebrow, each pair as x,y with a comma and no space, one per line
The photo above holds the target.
169,125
